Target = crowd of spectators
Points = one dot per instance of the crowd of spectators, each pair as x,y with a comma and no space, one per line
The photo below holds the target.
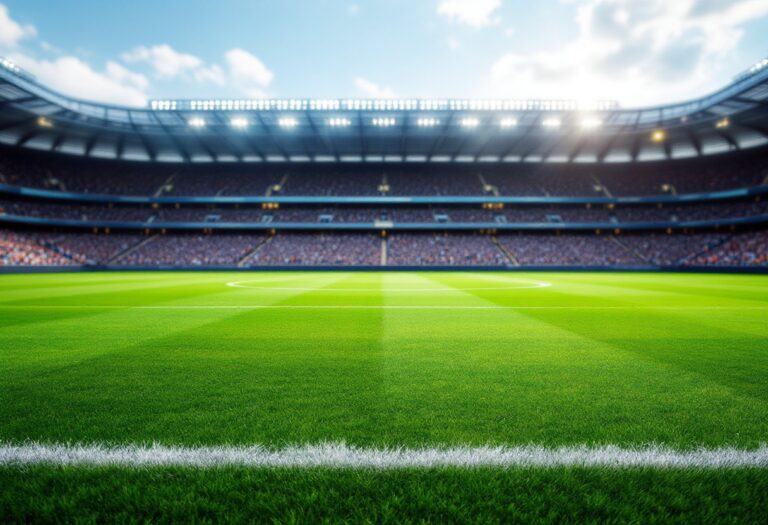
747,249
455,249
403,249
320,249
19,249
191,250
509,179
671,249
567,250
89,248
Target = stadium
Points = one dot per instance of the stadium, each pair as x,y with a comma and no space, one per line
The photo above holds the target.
383,309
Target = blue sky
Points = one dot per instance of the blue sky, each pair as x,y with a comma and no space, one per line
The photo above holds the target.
639,52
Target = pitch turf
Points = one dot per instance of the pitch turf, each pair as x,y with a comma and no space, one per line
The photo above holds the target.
387,359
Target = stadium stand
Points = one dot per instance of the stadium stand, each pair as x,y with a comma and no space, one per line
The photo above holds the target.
648,179
87,185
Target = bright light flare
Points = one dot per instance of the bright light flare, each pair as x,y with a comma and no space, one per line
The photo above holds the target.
44,122
591,122
658,135
197,122
552,122
339,122
508,122
287,122
384,122
469,122
239,122
427,122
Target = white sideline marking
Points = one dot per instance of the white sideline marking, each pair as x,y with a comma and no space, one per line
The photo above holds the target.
374,307
526,283
340,455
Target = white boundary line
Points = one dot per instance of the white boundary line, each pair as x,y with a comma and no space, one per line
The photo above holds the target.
373,307
527,283
340,455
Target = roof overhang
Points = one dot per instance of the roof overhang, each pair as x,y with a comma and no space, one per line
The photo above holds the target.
390,131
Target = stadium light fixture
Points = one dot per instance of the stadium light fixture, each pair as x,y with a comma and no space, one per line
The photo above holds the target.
287,122
197,122
658,135
44,122
384,122
552,122
508,122
239,122
427,122
469,122
591,122
759,65
339,122
722,123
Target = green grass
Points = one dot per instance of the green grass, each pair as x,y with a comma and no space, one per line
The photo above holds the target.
616,358
439,496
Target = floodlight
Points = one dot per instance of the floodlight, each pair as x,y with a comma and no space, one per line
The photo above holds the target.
44,122
658,135
239,122
551,122
287,122
197,122
508,122
384,122
427,122
591,122
723,123
339,122
469,122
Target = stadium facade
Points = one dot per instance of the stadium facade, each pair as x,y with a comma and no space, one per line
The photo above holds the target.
393,183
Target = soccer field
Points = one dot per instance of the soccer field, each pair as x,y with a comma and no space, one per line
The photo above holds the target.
569,366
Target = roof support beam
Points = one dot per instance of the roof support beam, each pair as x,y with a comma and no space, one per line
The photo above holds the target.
729,139
148,147
695,141
268,133
524,135
26,137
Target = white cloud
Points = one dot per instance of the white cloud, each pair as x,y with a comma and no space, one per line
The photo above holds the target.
353,9
12,32
639,52
166,61
213,74
247,72
372,90
242,70
72,76
474,13
120,73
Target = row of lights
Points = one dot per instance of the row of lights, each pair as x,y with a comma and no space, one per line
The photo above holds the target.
466,122
759,65
10,66
339,122
384,122
382,105
658,135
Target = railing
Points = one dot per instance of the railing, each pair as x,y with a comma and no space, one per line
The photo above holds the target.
35,193
371,226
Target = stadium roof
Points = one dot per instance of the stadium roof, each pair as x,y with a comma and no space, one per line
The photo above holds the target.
279,130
